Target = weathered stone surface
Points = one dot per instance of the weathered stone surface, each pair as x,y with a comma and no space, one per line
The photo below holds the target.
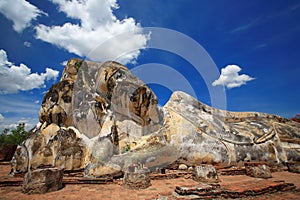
208,135
197,192
205,173
101,118
57,103
103,170
293,167
41,181
258,170
247,189
20,160
137,179
52,146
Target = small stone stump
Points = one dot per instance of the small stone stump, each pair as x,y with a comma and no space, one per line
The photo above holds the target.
182,167
136,178
162,170
293,167
205,173
41,181
258,170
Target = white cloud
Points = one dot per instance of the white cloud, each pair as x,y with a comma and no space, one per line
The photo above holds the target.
27,44
50,74
19,78
97,25
1,118
28,125
18,108
231,78
64,63
21,12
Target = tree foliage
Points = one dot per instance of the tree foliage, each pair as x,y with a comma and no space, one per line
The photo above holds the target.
15,136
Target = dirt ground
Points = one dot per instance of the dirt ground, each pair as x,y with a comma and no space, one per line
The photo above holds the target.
10,188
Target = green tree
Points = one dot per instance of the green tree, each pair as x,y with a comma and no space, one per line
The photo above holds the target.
3,135
15,136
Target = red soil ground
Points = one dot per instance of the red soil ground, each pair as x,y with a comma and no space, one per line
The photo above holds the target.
10,188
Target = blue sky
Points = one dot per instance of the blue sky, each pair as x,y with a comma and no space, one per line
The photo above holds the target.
254,46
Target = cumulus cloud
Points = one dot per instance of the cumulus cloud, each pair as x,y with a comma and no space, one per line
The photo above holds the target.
28,124
64,63
1,118
20,12
18,108
19,78
230,77
97,25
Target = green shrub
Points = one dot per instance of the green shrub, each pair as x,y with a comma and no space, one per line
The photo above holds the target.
15,136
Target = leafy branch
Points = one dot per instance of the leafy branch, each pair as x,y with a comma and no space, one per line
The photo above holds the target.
15,136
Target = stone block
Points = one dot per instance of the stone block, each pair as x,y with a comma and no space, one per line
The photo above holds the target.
205,173
139,179
293,167
41,181
258,170
182,167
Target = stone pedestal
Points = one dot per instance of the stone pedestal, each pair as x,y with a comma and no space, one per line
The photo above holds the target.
162,171
258,170
293,167
138,179
205,173
43,180
182,167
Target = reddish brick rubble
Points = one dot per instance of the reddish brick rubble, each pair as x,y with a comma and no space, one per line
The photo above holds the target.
159,188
